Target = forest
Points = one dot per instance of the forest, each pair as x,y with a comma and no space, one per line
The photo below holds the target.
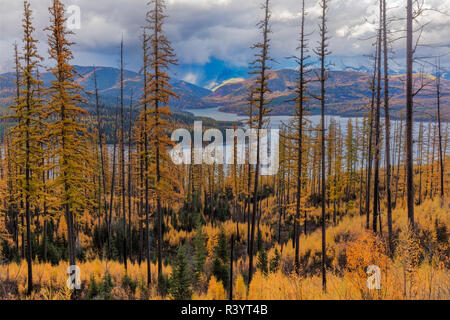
92,207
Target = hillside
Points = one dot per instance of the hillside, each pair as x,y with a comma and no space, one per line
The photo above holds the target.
350,248
108,80
348,92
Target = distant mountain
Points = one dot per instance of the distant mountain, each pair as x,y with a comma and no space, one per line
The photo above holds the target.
108,79
216,71
348,92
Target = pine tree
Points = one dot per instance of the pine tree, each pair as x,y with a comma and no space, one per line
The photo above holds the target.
259,240
275,261
180,281
221,256
200,252
263,261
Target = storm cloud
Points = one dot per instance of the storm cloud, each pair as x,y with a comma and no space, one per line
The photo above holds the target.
201,30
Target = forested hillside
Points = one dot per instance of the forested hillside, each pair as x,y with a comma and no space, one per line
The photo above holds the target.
349,92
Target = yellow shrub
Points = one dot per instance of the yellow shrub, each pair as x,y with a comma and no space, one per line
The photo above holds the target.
215,290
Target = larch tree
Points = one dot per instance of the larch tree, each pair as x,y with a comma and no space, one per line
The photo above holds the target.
12,201
158,91
67,131
27,132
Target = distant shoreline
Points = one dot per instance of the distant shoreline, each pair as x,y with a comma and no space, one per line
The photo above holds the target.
231,116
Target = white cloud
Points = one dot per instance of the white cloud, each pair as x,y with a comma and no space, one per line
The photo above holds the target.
199,3
223,29
191,78
341,32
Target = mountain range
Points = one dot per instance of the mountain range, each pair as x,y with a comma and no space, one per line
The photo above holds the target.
348,92
216,71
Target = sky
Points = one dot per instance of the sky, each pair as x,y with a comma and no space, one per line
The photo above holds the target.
215,36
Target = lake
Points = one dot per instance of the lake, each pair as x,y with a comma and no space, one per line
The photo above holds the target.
276,121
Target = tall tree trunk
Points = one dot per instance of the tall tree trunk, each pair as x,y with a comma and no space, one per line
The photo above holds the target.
122,161
397,180
438,100
409,112
231,268
387,129
370,146
102,158
376,181
323,52
113,181
261,100
158,170
420,157
130,176
301,83
146,163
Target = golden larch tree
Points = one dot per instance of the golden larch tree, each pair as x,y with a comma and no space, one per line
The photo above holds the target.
66,129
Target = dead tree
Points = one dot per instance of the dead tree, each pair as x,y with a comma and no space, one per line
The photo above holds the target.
300,90
438,101
409,112
387,128
259,98
377,134
322,51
